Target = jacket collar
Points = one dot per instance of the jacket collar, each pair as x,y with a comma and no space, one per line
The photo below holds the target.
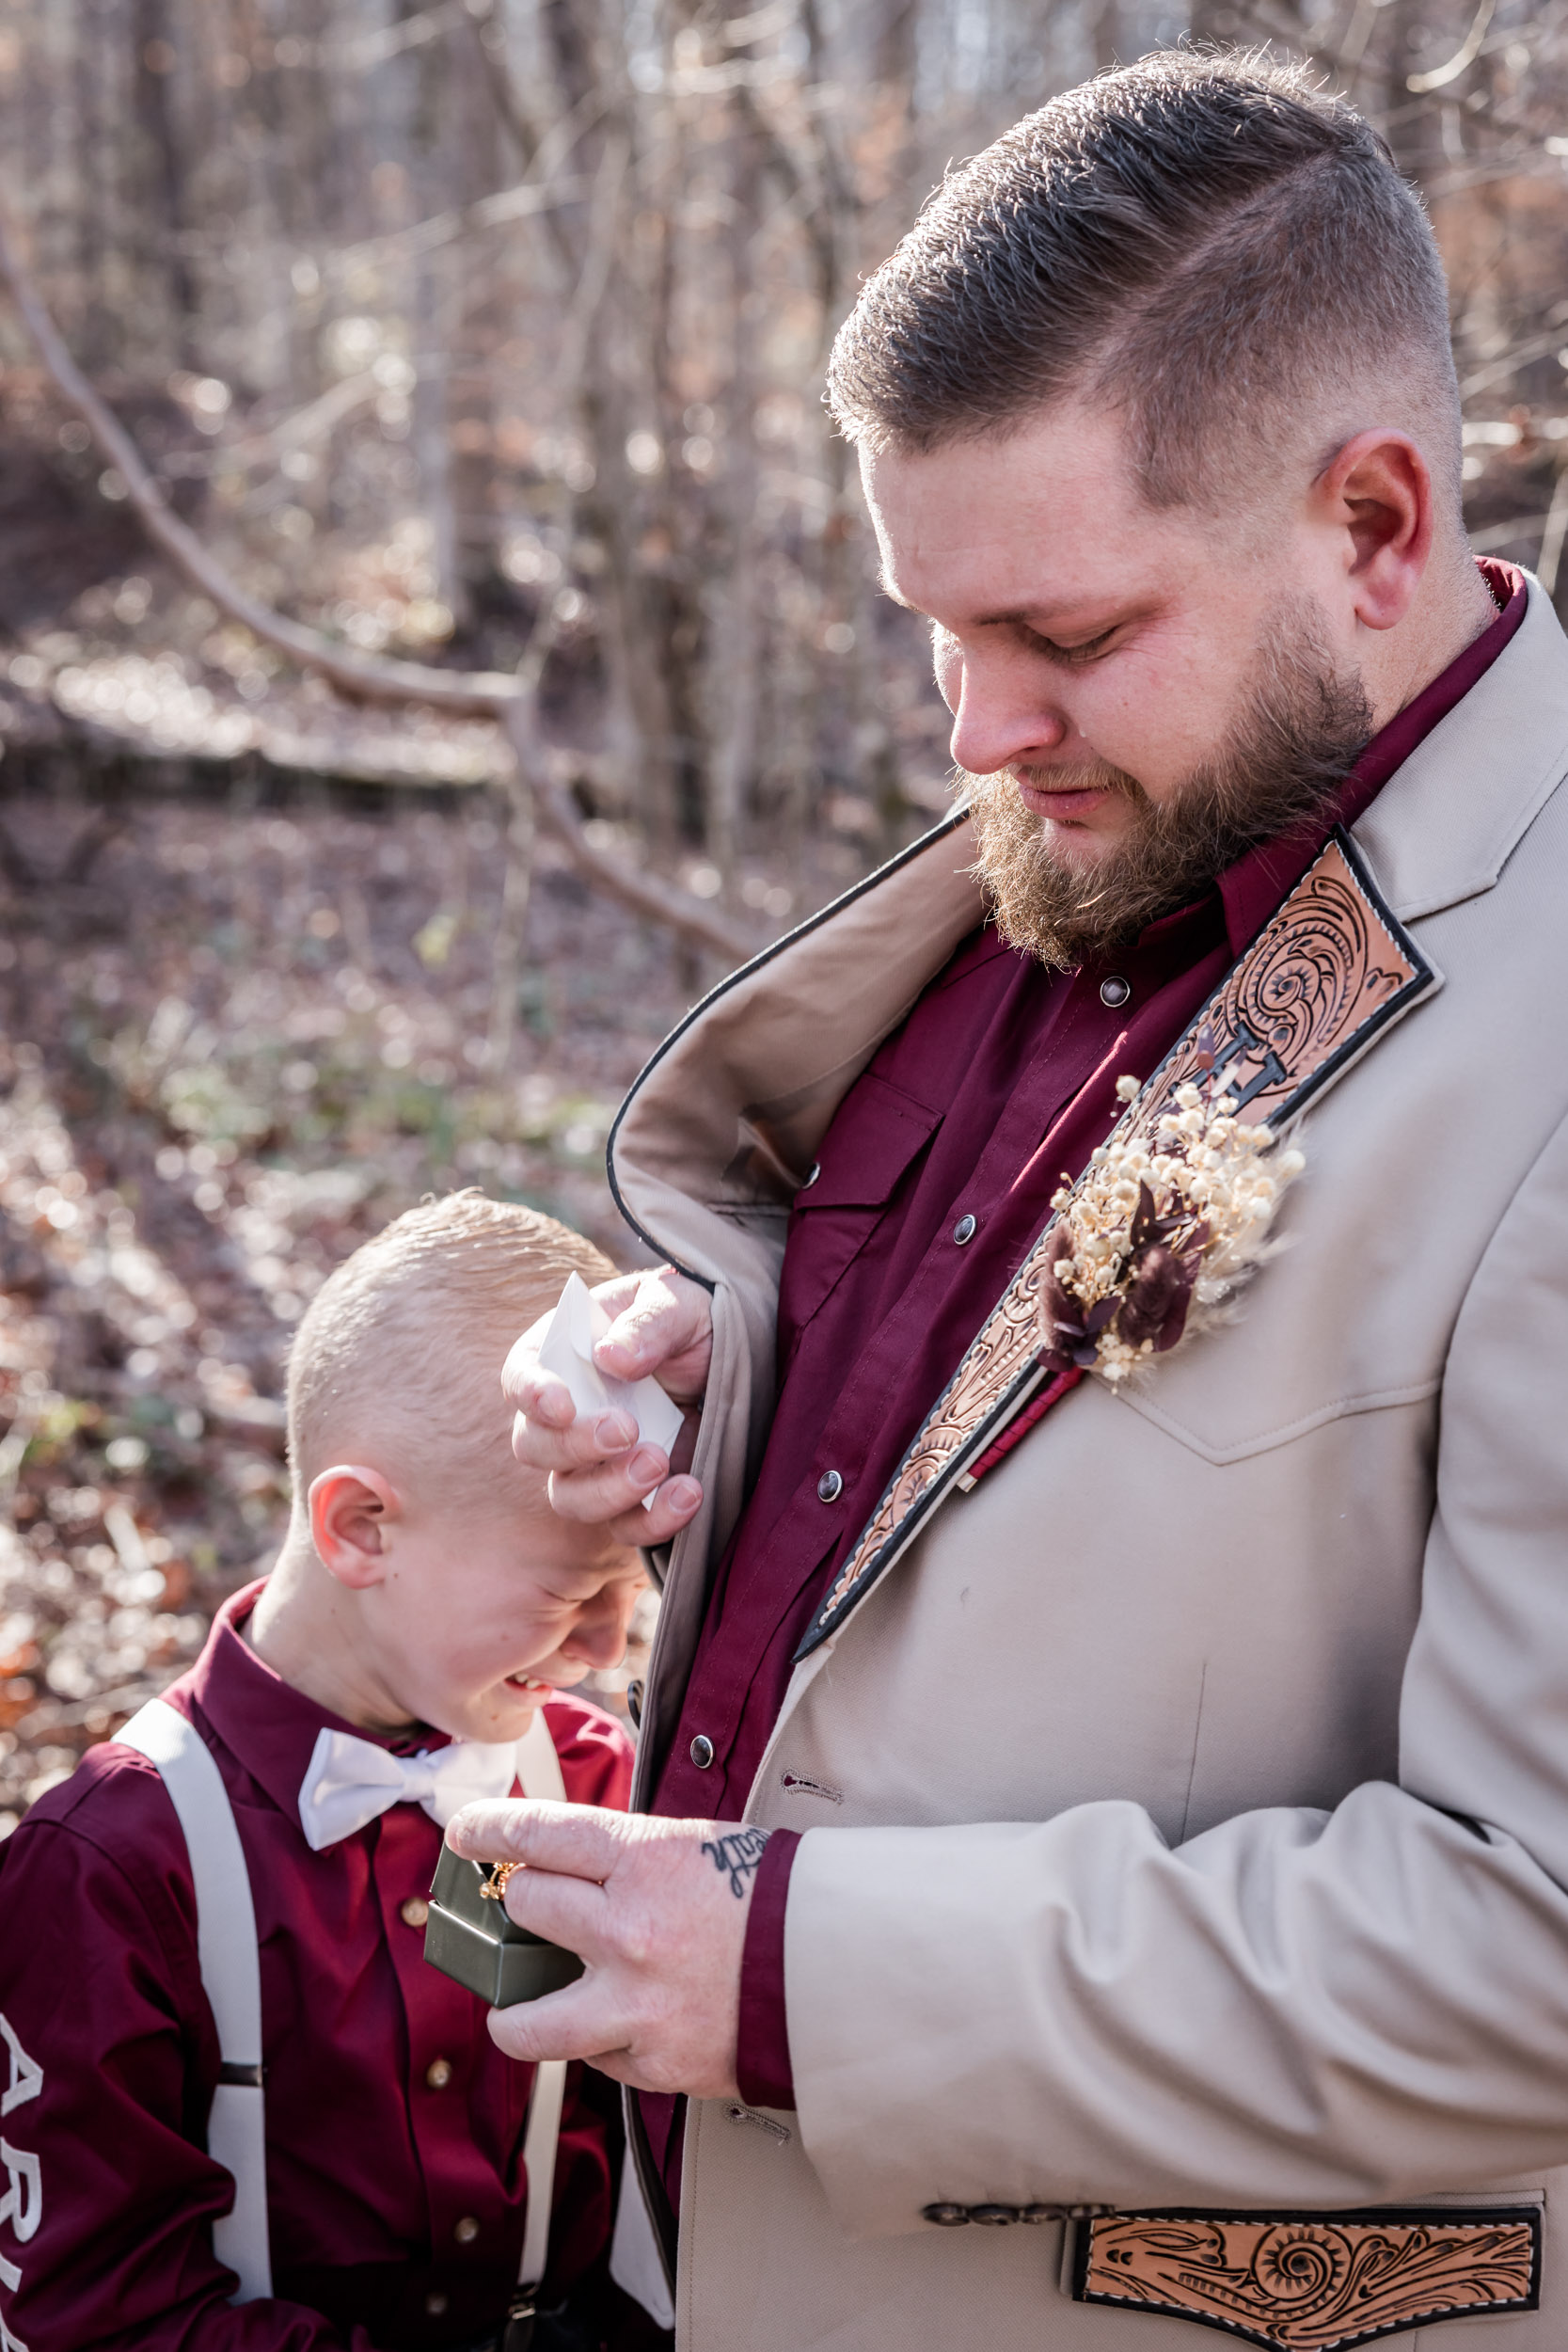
1445,823
728,1113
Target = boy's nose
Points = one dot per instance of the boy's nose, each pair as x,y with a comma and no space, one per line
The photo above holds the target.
597,1640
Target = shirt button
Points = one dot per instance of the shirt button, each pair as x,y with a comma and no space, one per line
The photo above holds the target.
945,2217
829,1487
467,2230
435,2305
414,1912
439,2074
1115,990
816,1173
993,2216
965,1230
702,1751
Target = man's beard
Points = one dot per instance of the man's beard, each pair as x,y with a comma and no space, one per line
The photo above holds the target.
1294,742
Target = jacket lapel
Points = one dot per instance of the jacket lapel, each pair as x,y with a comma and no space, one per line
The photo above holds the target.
1316,989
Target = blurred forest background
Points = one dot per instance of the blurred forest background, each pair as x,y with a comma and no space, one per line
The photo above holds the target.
482,343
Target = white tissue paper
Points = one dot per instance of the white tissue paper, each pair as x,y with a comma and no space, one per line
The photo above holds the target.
564,1343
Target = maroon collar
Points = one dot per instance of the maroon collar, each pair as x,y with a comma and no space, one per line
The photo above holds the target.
264,1721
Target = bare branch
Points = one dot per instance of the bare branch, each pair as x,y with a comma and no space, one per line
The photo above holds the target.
477,693
644,894
485,692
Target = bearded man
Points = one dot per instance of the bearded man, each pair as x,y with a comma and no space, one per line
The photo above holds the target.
1104,1871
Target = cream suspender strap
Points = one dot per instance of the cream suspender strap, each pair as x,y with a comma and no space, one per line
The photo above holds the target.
539,1775
230,1978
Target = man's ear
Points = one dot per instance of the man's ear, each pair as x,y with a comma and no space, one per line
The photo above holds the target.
352,1510
1377,490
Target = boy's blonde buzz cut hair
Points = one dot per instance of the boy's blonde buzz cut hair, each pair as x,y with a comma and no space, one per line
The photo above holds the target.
397,1362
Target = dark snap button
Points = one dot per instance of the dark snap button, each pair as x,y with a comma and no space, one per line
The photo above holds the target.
1115,990
1037,2213
993,2216
816,1173
634,1701
829,1487
945,2217
965,1230
702,1751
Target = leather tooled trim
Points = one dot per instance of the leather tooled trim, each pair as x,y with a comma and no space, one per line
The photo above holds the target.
1317,985
1314,2282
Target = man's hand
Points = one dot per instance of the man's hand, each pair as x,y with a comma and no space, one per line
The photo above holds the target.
658,1910
598,1473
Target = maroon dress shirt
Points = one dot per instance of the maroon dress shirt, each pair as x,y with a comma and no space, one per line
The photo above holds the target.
934,1179
394,2126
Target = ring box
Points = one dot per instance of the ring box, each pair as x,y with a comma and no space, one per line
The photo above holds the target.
468,1935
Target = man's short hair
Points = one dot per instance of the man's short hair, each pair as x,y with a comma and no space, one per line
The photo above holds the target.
398,1358
1207,241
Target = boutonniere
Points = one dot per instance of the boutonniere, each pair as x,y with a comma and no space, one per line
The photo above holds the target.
1160,1232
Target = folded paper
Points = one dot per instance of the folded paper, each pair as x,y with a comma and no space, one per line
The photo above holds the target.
564,1343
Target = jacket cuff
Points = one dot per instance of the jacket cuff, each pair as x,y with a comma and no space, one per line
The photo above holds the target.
762,2057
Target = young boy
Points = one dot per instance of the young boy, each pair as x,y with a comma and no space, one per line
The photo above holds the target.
425,1596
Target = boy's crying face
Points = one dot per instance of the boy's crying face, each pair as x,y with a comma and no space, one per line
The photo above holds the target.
471,1613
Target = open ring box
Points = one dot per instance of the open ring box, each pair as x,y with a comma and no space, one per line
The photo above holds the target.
468,1935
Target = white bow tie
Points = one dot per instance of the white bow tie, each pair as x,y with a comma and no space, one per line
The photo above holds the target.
351,1781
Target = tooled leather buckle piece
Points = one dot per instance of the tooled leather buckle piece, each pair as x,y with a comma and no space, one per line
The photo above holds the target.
1314,2282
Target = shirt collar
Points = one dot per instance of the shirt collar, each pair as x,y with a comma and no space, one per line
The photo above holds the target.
268,1726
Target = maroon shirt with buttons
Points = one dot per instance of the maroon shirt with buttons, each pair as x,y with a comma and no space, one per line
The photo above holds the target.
394,2124
934,1179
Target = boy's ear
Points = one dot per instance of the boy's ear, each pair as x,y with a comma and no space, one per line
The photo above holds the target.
352,1512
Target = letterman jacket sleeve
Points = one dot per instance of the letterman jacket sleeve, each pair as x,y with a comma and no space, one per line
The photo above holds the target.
1328,2008
107,2060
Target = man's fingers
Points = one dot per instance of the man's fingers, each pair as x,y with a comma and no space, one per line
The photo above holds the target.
675,1503
576,1839
659,1324
585,1441
572,1911
609,1489
576,2023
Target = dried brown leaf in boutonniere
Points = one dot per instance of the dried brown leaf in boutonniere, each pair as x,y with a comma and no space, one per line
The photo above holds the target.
1157,1234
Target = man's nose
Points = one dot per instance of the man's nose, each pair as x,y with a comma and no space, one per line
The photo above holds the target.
999,724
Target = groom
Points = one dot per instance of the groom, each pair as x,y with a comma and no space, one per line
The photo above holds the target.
1106,1839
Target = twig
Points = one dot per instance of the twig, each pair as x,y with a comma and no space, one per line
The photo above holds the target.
1464,56
1552,538
704,926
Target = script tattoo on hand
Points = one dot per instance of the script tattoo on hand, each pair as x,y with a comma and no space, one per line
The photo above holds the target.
739,1854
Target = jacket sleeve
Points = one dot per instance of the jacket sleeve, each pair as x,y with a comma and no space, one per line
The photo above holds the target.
1296,2006
107,2057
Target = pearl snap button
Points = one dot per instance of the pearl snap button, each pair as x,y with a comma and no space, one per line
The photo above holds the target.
414,1912
965,1230
702,1751
1115,990
435,2305
467,2230
829,1487
439,2074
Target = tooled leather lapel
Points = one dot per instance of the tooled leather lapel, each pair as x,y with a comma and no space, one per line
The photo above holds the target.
1316,987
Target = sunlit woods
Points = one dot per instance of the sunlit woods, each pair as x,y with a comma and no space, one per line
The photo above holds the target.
459,322
490,336
487,319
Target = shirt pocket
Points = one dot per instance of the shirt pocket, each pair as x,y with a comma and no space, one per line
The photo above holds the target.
872,1146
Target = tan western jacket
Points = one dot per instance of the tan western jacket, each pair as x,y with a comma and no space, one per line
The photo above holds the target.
1187,1812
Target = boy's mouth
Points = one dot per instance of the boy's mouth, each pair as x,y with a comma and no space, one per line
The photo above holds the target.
530,1686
